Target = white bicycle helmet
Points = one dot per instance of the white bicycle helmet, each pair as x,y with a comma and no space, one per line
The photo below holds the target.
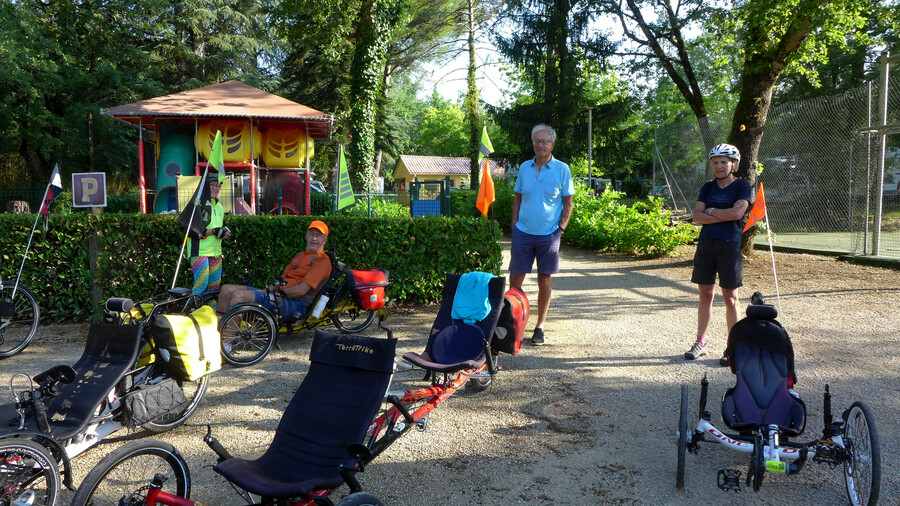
726,150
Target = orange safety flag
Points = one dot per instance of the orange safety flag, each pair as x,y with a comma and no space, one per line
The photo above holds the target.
759,209
486,194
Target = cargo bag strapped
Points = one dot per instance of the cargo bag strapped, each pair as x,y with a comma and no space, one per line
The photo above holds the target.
513,319
149,402
368,287
192,341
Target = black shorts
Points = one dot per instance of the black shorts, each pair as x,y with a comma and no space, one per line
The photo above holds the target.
717,256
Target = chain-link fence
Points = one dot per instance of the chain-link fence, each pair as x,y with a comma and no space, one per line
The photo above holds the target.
820,170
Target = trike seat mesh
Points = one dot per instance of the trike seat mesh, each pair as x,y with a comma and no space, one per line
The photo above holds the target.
333,407
438,355
761,356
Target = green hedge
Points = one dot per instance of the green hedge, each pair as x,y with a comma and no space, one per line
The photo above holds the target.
138,253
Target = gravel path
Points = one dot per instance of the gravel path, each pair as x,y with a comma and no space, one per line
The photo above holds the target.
590,418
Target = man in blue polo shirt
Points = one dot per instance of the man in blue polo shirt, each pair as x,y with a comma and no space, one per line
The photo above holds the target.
540,213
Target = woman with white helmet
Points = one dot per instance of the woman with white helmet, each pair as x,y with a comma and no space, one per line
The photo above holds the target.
719,208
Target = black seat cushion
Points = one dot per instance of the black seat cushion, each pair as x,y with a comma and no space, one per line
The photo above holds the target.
333,407
454,348
762,358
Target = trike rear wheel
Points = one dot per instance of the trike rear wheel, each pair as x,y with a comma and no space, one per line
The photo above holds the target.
28,473
129,469
17,329
862,470
682,438
360,499
248,334
348,317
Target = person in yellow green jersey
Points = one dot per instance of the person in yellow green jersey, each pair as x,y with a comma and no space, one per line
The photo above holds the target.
205,252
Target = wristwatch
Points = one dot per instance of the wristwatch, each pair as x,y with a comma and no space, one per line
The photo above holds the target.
561,230
710,210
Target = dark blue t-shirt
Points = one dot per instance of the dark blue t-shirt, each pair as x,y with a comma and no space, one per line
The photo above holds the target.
723,198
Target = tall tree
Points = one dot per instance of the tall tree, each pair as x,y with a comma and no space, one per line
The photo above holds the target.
549,47
772,36
375,26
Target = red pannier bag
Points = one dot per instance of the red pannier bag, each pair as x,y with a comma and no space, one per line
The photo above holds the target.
368,287
511,325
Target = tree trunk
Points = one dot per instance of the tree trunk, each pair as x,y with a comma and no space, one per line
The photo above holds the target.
471,103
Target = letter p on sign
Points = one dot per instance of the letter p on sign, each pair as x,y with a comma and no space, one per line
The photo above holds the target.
89,189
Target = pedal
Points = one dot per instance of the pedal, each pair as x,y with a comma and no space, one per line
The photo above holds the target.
729,480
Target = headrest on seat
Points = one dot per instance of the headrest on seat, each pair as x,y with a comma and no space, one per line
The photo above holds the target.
367,353
762,312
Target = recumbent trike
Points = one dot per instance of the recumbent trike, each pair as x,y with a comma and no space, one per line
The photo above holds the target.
766,412
124,379
350,299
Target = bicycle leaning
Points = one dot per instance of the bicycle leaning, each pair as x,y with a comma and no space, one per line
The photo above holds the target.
124,378
19,317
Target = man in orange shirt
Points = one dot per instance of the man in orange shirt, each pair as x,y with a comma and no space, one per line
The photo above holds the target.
305,276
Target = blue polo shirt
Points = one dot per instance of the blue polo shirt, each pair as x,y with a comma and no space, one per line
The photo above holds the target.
542,196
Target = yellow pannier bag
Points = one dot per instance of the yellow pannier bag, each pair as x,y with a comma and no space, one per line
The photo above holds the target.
191,341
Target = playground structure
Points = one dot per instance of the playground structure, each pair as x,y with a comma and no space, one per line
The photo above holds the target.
267,145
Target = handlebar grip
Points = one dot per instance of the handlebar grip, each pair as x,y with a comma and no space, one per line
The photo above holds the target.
118,305
216,446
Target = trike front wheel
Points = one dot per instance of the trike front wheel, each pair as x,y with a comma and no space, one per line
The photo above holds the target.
682,438
248,334
18,318
348,317
862,469
121,476
28,473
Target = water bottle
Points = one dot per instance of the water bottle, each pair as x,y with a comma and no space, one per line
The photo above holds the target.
320,306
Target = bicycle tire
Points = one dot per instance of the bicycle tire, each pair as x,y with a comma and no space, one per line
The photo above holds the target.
248,334
347,315
194,391
18,332
360,499
130,468
862,470
682,438
27,468
477,385
758,462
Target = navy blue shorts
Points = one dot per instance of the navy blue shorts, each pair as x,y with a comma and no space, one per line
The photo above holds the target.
717,256
526,248
289,307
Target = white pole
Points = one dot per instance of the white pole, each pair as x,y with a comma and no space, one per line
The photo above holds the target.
30,237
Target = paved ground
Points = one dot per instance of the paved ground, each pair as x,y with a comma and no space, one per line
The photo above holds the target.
590,418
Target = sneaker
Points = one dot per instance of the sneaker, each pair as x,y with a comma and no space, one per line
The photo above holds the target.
723,361
537,339
696,351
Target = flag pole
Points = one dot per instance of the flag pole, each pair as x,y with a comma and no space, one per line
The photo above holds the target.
772,255
30,237
187,228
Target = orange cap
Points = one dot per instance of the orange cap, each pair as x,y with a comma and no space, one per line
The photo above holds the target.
320,226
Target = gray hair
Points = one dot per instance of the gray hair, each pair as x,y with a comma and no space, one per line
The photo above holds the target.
549,130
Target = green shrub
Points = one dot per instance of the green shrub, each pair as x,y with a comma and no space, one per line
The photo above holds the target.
636,187
138,253
642,229
381,208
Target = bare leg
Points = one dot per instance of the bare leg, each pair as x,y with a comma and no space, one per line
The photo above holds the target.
704,310
544,292
230,295
516,279
731,306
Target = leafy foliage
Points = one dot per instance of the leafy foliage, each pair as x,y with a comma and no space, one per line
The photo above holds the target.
643,229
138,253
